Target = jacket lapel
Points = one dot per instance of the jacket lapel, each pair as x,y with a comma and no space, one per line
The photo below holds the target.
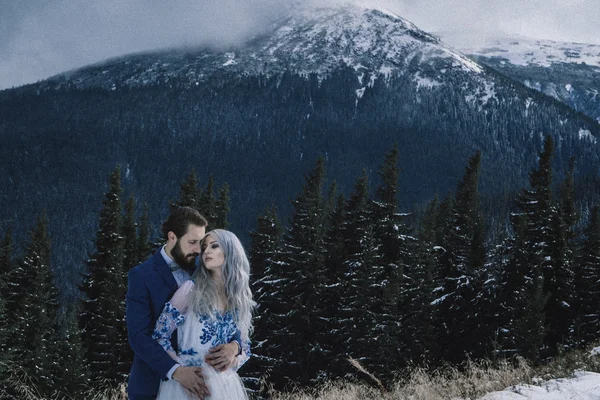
161,267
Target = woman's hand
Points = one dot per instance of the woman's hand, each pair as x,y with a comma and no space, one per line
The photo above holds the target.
222,357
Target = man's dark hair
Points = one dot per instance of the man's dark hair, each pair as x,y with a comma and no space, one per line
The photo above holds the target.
180,219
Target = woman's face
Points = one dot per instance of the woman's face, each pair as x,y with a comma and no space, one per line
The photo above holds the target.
212,254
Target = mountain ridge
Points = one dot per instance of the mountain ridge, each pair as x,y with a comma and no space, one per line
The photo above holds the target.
314,41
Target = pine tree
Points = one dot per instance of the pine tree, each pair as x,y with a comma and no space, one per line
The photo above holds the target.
512,260
70,368
465,241
362,307
535,258
37,310
189,193
300,268
103,312
444,221
222,208
587,276
397,255
131,258
144,244
567,202
266,241
208,204
130,239
7,317
334,290
559,275
530,327
419,328
461,264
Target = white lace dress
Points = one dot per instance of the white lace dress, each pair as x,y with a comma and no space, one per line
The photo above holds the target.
196,334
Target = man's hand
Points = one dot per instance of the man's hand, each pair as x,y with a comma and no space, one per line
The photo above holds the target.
192,379
223,356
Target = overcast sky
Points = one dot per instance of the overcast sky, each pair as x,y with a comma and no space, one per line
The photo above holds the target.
40,38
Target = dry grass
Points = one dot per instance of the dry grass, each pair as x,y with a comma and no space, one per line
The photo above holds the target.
472,381
106,392
332,391
22,387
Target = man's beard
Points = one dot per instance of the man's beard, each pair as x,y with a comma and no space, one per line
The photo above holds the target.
185,261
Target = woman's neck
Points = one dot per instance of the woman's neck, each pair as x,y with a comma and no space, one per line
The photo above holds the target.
217,279
220,287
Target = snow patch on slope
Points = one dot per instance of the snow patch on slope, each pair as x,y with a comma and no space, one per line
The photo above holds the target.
585,134
425,82
527,51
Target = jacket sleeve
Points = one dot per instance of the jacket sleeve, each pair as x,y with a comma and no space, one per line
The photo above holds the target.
140,325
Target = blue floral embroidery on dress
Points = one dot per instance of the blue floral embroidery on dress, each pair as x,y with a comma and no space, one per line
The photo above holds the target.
209,329
219,330
188,352
193,362
169,320
216,331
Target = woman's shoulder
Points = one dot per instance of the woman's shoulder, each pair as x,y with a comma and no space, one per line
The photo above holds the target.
181,297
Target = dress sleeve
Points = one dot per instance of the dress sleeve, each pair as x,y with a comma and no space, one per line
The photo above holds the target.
245,356
172,316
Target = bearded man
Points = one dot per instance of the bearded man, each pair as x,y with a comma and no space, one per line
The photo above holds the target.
151,285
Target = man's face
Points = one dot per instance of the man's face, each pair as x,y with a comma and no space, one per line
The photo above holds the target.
187,247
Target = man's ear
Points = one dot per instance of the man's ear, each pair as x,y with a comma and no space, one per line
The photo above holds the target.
171,236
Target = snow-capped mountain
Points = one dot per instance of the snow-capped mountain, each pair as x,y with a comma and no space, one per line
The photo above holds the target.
345,83
316,41
566,71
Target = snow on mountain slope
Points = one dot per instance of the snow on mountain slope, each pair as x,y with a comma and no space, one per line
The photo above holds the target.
315,40
527,51
566,71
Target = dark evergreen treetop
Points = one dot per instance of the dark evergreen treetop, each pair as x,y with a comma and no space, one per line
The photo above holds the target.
464,241
37,310
102,315
222,208
265,241
389,173
144,243
307,218
189,193
208,204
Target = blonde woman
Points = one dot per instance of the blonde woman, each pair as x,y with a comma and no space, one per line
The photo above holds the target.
207,311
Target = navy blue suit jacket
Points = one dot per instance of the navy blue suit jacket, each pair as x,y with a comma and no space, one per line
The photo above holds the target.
151,284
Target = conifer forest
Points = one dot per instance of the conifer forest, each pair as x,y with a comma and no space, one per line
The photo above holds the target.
344,275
